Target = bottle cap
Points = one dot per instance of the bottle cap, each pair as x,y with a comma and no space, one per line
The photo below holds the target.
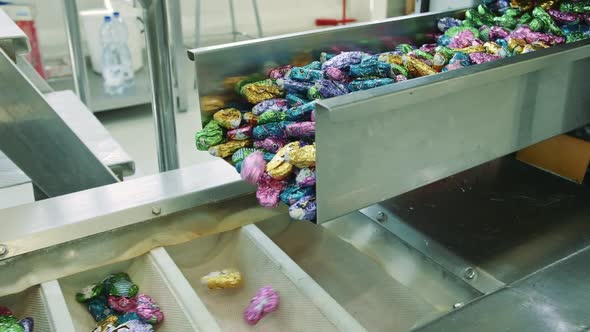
116,14
107,18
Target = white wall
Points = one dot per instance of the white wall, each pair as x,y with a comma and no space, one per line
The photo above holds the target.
278,16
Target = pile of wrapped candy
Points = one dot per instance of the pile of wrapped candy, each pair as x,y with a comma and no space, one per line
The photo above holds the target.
265,301
271,140
9,323
115,305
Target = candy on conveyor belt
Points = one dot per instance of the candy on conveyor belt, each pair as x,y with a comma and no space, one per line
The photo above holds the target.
227,278
9,323
264,302
274,145
115,305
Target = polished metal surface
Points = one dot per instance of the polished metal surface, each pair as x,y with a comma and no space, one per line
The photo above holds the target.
94,135
396,138
553,299
12,39
31,73
504,218
78,60
40,143
162,72
62,219
10,174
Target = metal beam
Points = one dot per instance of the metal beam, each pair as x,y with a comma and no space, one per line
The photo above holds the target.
79,72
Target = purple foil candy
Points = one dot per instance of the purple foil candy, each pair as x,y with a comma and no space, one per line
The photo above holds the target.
305,178
148,310
28,324
344,60
270,144
497,32
269,190
264,302
240,134
133,326
336,74
253,167
292,86
463,39
429,48
400,78
329,89
446,23
530,36
276,104
479,58
563,17
304,209
301,130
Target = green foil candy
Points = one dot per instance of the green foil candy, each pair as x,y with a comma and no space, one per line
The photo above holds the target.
404,48
452,32
10,324
399,70
272,116
550,25
241,154
124,288
423,55
506,21
536,24
575,7
514,12
89,292
212,134
525,19
575,36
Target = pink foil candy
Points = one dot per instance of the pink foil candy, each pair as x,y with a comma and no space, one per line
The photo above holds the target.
122,303
563,17
253,167
4,311
269,191
264,302
270,144
336,74
497,32
530,36
463,39
279,72
400,78
148,310
240,134
301,129
483,57
428,48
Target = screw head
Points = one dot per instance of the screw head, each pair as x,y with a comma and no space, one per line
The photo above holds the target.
381,217
470,273
3,250
156,210
457,305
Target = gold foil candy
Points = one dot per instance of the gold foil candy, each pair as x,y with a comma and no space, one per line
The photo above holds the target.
107,323
227,278
514,43
471,49
227,149
303,157
278,168
391,58
229,118
417,68
495,49
260,91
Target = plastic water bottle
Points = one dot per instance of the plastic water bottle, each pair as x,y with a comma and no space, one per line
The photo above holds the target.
111,68
120,38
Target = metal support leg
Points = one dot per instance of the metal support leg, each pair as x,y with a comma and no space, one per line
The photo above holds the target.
257,15
232,14
161,64
76,54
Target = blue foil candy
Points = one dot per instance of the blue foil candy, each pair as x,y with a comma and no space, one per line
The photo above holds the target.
369,84
305,74
443,40
371,67
293,193
128,316
329,89
273,129
315,65
268,156
292,86
301,113
99,309
295,100
446,23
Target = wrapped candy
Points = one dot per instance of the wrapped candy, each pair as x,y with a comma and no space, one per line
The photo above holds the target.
148,310
455,30
122,303
404,48
241,154
443,40
295,100
548,22
253,167
564,17
269,190
327,89
301,157
279,72
270,144
268,156
107,324
304,209
4,311
446,23
294,87
273,130
369,84
324,56
275,104
459,60
336,74
417,68
210,135
391,58
99,309
528,36
370,68
343,60
293,193
28,324
89,292
314,65
495,49
399,70
242,81
301,130
575,7
471,49
227,149
272,116
128,316
239,134
260,91
249,118
227,278
478,58
279,168
132,326
464,38
301,113
229,118
305,74
10,324
264,302
305,177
